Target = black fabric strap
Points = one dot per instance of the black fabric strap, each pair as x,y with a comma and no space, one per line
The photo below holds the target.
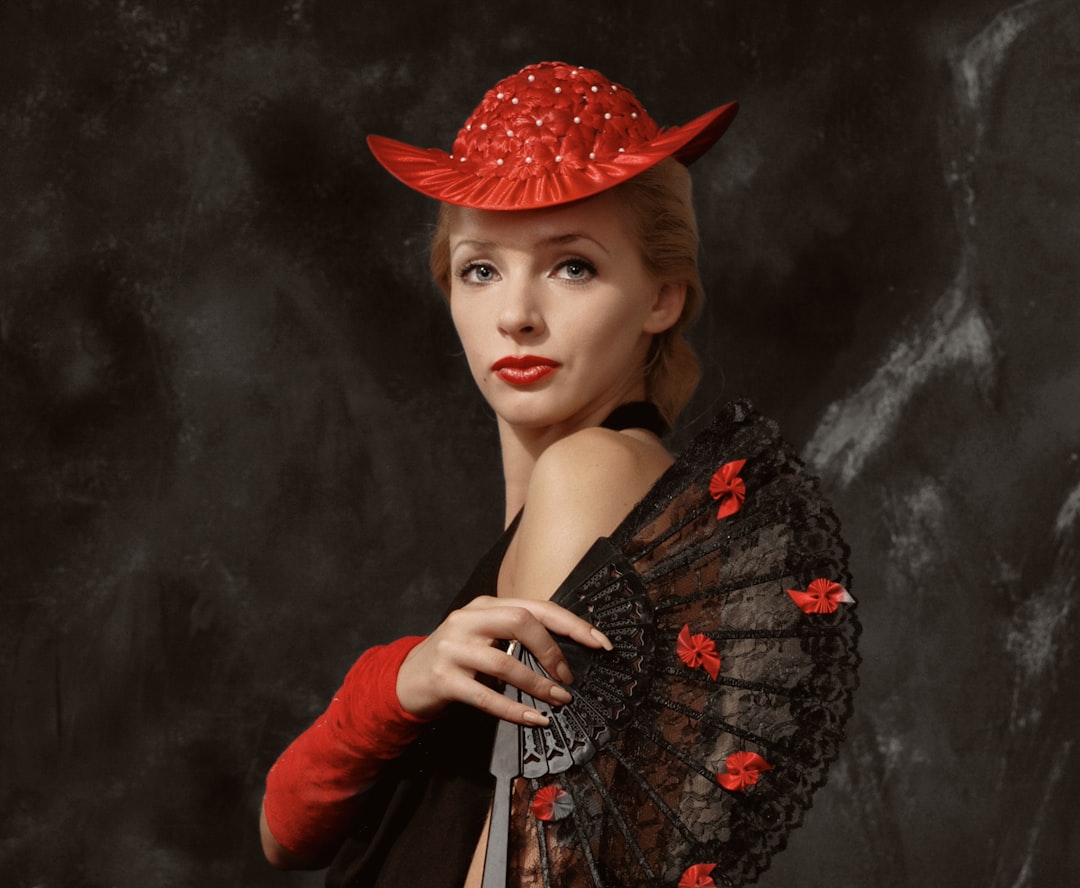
637,415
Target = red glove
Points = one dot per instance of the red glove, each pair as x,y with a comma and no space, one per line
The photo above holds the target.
312,790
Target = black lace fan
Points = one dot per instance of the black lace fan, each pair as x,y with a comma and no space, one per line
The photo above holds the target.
692,749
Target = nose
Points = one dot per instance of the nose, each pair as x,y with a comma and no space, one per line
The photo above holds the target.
520,313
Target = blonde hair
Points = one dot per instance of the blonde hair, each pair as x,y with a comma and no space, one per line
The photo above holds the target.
660,205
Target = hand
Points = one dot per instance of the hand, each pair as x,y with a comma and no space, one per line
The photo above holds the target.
442,669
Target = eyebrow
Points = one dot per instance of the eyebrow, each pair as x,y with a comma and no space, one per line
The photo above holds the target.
560,239
553,241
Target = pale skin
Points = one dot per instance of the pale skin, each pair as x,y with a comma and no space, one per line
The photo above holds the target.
567,285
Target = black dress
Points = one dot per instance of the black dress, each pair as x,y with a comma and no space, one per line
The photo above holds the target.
422,820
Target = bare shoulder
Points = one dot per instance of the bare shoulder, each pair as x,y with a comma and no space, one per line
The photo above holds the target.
602,462
581,489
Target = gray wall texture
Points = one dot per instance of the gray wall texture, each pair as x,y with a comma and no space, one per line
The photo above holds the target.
238,442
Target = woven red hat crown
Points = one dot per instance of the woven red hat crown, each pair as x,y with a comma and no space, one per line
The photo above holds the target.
549,134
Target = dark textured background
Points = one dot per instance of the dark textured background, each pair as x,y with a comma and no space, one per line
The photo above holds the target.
238,443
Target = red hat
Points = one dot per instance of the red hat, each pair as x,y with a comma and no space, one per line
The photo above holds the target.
550,134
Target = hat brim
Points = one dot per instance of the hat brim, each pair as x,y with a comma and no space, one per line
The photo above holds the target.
436,174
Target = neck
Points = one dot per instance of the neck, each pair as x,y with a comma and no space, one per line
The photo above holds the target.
520,450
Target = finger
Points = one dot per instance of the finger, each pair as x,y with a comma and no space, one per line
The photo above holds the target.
555,617
487,660
499,705
523,620
522,625
493,662
493,618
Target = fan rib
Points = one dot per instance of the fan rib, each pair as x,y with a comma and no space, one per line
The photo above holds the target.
663,807
671,750
725,727
800,630
673,530
701,677
609,803
743,582
583,841
746,524
541,841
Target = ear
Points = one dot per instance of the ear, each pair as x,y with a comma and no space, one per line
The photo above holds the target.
667,307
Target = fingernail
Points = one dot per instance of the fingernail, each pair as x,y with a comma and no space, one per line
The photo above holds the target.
603,639
535,718
564,673
561,694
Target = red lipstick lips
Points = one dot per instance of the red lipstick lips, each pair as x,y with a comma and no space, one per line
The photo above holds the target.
524,369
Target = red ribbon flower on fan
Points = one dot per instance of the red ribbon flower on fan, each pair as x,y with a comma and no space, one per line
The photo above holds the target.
821,597
743,770
697,876
698,651
551,803
727,487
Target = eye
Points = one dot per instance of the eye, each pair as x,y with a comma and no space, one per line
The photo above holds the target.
575,270
477,273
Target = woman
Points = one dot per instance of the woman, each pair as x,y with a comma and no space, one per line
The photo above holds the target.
566,246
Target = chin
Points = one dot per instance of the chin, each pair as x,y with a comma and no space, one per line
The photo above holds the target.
531,418
531,410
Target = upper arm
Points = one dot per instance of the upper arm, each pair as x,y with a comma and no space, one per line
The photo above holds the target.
581,489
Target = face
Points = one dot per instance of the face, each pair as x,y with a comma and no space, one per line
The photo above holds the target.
555,310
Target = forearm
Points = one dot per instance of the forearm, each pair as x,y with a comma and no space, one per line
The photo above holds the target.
314,789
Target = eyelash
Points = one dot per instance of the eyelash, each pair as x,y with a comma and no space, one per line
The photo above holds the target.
588,269
469,267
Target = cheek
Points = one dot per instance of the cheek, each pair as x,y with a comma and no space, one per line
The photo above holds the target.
466,326
617,322
460,319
